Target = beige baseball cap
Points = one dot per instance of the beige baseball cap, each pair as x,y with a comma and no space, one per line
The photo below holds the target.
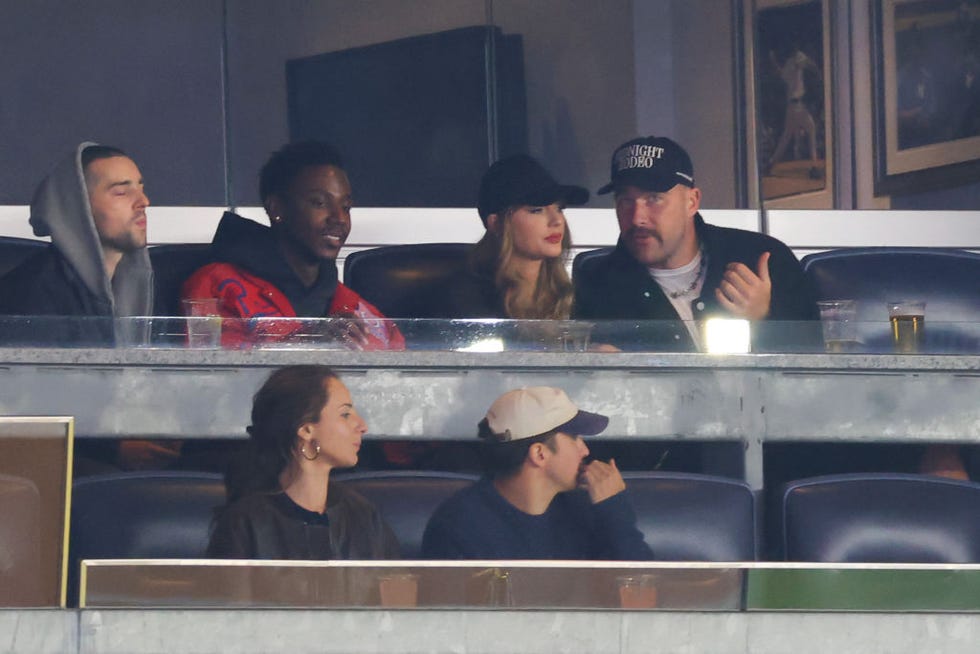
535,410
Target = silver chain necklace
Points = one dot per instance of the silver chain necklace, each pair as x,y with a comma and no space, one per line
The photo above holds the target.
697,279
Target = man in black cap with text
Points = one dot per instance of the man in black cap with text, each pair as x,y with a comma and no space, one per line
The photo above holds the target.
669,265
540,498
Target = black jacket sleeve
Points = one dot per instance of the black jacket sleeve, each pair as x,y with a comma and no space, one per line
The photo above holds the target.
231,537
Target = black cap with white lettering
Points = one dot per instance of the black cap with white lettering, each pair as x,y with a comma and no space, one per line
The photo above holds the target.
652,163
520,179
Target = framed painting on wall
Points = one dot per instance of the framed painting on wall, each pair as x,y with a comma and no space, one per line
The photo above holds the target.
927,94
789,92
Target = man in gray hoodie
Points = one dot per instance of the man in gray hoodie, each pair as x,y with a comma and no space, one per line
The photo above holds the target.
93,207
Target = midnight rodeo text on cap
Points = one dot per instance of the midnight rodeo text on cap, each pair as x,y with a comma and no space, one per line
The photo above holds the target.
638,156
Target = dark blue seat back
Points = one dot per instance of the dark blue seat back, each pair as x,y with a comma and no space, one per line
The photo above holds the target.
693,517
14,250
584,261
158,514
406,499
881,517
130,515
173,263
947,280
405,281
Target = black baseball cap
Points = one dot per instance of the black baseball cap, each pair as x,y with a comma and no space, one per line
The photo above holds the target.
652,163
520,179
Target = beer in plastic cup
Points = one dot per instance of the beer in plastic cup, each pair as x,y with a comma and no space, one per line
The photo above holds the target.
908,323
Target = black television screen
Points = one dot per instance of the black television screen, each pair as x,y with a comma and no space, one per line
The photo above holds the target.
417,120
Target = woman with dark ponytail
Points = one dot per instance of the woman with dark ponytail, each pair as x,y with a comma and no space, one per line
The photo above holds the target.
282,503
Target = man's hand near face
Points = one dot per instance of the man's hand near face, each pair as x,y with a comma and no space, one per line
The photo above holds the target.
602,480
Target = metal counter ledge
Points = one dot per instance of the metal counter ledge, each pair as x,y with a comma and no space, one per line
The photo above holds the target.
746,399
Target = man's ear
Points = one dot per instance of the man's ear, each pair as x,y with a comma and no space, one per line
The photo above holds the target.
536,454
273,209
693,200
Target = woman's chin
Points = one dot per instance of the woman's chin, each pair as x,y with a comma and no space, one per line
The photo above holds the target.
345,465
553,253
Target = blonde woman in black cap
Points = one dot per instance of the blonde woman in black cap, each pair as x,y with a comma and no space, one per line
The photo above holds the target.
517,270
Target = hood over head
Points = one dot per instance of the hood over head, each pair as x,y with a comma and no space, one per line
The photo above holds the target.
60,209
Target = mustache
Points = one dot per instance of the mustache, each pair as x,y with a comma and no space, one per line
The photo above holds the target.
642,231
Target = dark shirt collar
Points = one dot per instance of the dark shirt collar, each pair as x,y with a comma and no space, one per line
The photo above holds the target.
288,507
252,246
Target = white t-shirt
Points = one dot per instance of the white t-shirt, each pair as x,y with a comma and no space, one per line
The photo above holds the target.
678,281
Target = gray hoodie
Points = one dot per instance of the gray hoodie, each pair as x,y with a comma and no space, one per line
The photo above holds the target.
68,277
60,209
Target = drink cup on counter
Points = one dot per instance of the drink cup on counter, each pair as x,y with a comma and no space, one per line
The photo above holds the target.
133,331
637,592
490,587
908,323
838,320
575,336
203,323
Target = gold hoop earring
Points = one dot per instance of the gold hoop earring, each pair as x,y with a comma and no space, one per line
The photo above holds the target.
302,451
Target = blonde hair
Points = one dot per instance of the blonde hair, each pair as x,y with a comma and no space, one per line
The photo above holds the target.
493,256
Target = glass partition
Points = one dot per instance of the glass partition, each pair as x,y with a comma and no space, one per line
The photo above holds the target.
493,335
414,584
689,586
864,587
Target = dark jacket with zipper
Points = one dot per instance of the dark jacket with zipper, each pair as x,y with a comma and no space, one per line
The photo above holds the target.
618,287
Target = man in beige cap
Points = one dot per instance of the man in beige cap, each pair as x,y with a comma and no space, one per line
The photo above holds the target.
540,498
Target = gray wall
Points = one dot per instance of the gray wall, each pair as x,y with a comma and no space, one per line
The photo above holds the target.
142,631
685,88
578,60
578,70
144,76
704,94
147,76
263,35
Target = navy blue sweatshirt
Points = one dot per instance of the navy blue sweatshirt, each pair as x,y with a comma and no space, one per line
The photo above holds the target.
478,523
